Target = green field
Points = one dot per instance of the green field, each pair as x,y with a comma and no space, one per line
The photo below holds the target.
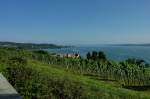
35,78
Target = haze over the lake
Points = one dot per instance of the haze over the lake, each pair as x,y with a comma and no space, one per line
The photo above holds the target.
75,21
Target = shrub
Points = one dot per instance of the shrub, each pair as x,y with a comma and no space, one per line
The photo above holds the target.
32,84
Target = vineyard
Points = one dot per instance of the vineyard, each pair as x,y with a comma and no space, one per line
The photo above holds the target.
43,75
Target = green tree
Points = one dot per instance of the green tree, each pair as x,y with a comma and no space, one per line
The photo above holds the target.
88,55
94,55
101,56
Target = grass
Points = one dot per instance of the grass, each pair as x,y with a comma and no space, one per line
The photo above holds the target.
40,80
95,88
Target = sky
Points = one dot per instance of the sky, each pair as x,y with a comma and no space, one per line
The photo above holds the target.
75,21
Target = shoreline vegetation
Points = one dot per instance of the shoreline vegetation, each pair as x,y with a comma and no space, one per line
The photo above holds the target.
30,45
39,74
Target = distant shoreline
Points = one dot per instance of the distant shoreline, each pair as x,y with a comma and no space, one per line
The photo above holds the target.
146,45
30,45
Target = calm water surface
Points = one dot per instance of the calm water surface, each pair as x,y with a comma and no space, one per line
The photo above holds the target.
117,53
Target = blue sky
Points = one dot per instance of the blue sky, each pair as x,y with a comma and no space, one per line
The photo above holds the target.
75,21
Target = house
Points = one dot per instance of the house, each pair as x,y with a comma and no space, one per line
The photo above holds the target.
72,55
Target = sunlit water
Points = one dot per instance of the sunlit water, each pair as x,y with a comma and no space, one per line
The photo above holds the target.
117,53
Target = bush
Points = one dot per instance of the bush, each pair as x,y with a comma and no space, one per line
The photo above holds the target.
33,85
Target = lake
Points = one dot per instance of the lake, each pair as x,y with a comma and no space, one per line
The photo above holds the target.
113,52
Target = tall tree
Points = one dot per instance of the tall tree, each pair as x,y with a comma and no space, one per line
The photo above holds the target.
88,55
101,56
94,55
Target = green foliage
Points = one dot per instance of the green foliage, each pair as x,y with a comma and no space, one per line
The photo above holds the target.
124,72
88,55
41,52
135,61
101,56
28,45
40,75
96,56
31,84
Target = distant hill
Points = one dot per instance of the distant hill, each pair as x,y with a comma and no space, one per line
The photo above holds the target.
29,45
148,44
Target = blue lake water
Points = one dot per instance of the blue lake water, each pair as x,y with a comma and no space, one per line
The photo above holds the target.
117,53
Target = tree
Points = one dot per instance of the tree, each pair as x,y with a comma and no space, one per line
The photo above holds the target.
88,55
101,56
135,61
94,55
